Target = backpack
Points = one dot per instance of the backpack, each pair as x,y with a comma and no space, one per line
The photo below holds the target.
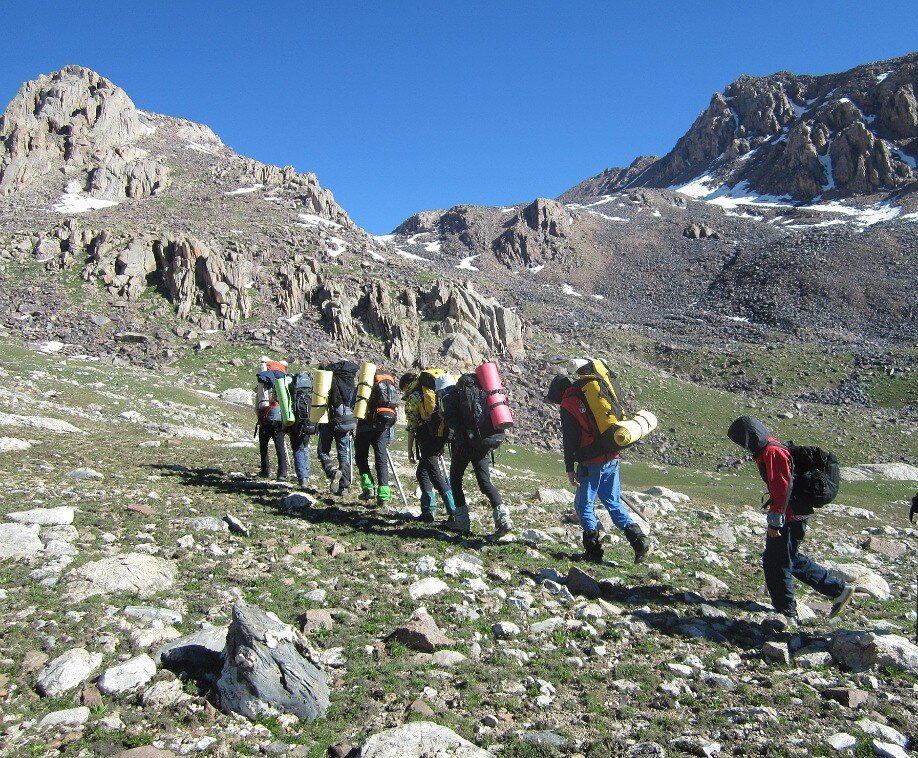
384,400
429,409
602,398
301,392
342,396
815,478
471,417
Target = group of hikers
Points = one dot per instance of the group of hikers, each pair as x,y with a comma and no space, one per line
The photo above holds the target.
354,408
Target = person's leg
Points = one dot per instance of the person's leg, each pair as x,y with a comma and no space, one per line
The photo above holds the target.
776,565
362,442
610,494
280,445
300,444
431,450
381,454
459,462
481,465
323,449
343,445
807,570
589,477
264,439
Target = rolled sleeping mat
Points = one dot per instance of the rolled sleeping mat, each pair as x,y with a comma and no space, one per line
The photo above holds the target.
488,377
321,387
282,392
499,411
634,429
365,379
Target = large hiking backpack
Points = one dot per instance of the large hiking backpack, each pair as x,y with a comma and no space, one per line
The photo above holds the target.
816,478
429,407
602,398
301,393
342,396
268,379
384,400
471,413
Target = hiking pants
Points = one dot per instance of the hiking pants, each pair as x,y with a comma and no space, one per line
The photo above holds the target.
782,562
378,439
466,452
429,475
600,480
342,450
299,441
267,431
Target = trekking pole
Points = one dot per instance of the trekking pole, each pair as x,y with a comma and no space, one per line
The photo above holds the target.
398,482
449,484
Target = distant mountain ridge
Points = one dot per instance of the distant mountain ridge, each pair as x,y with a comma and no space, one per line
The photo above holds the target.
796,137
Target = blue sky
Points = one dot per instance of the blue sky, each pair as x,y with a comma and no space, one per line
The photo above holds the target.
404,106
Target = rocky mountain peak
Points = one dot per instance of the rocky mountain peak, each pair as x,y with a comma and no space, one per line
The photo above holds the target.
77,120
795,136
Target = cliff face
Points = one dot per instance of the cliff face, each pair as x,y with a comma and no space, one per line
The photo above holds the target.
802,137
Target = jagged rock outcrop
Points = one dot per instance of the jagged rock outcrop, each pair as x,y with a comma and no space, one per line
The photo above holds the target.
270,669
394,320
535,235
609,181
76,119
196,277
832,136
475,327
420,223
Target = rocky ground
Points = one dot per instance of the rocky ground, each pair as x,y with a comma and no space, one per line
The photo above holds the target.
131,518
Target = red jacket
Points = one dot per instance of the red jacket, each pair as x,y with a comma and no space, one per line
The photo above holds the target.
577,430
776,468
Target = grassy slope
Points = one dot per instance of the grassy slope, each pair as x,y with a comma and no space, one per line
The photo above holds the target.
368,581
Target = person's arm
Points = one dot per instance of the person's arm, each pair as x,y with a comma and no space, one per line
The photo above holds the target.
570,436
777,463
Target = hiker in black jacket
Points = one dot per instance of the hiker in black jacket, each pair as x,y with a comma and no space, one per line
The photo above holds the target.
340,427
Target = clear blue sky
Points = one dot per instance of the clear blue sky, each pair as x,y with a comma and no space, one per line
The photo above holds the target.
404,106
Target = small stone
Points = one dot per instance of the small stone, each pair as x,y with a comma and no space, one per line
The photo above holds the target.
841,741
427,587
422,709
776,652
85,473
851,698
421,633
69,717
505,630
888,750
580,583
235,525
129,675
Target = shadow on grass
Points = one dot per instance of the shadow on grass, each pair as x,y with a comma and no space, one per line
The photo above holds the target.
328,509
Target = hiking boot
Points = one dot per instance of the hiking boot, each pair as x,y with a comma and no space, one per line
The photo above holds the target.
367,486
780,622
842,601
592,550
502,529
366,495
458,521
303,483
334,482
639,542
426,517
383,495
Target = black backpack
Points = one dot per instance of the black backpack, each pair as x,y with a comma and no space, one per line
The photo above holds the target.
301,394
342,396
466,411
816,478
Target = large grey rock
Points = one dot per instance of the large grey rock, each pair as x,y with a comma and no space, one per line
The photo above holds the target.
136,573
863,651
863,578
67,671
427,587
269,669
39,423
44,516
69,717
420,739
13,445
197,654
133,673
19,541
239,396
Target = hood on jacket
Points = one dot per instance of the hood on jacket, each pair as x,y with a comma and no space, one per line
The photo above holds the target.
556,389
750,433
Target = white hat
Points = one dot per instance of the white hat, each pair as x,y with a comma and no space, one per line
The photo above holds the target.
579,363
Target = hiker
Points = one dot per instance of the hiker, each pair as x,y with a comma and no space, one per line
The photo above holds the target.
594,474
914,510
303,427
340,426
269,424
782,560
474,441
426,440
376,431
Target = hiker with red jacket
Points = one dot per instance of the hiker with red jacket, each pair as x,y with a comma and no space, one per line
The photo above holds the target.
782,560
595,477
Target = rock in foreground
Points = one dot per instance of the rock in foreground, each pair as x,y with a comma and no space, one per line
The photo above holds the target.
420,738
